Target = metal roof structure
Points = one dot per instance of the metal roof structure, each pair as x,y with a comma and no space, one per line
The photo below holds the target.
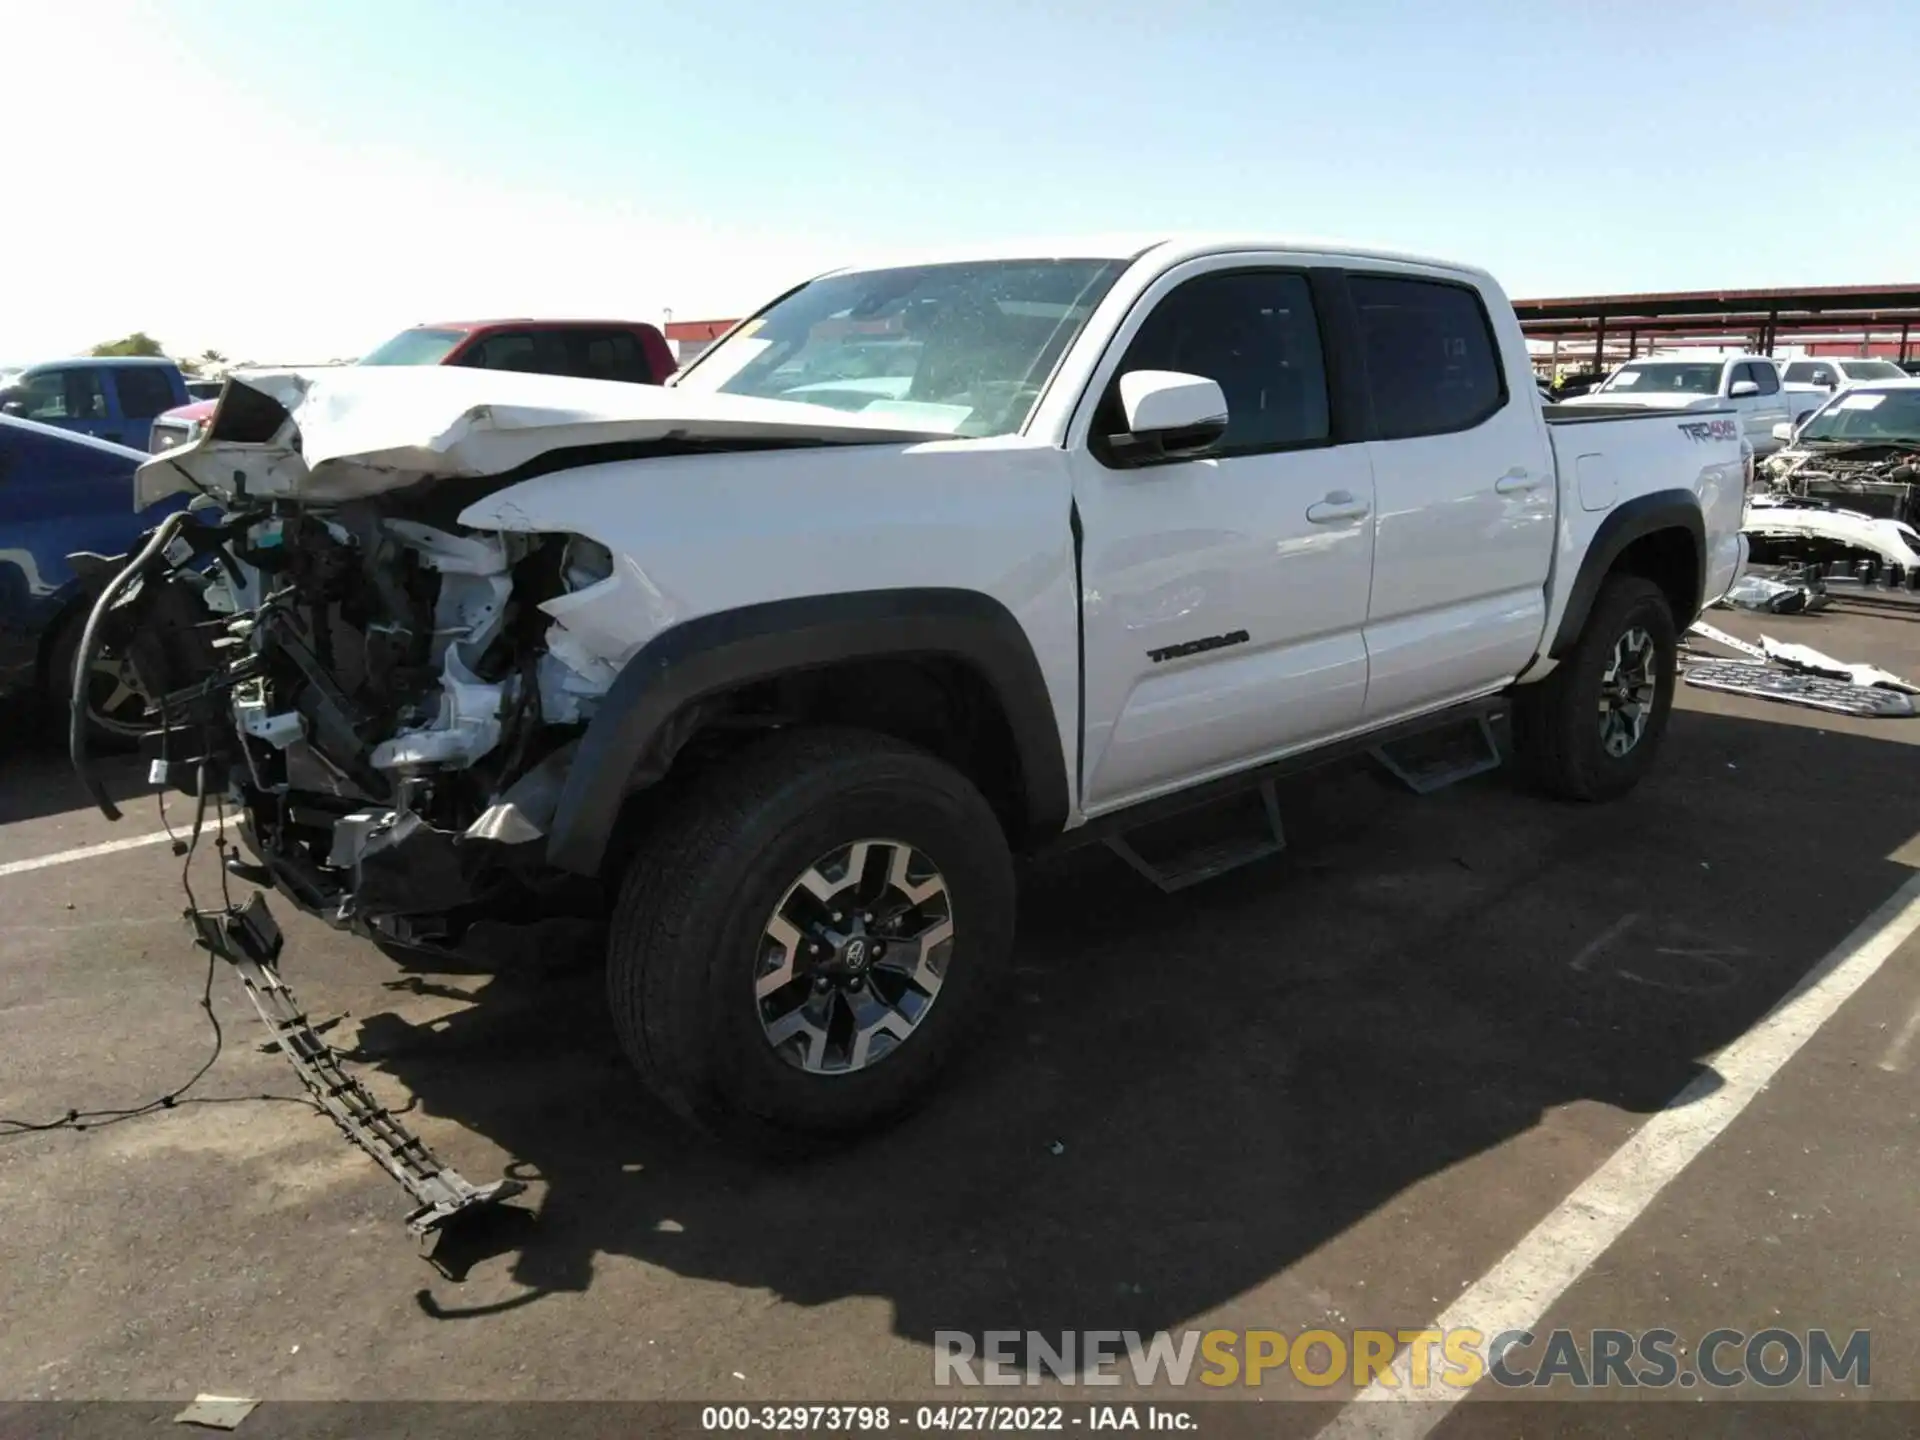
1759,317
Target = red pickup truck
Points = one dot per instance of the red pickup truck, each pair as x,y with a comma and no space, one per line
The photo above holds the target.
594,349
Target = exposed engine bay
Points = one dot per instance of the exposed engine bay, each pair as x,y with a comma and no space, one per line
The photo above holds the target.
1873,478
391,703
1839,504
390,696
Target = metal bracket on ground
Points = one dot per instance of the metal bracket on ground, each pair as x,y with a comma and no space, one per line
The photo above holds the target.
1768,682
251,943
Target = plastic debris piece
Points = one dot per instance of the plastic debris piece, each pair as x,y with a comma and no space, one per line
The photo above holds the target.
1764,681
1774,597
1805,657
216,1412
1057,1148
1720,637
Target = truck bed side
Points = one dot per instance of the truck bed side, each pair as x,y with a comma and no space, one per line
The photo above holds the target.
1624,470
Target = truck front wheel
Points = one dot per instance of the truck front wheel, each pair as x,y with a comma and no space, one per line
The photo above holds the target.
1592,728
806,937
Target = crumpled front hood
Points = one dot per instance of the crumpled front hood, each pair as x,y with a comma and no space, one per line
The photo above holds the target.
1669,400
345,433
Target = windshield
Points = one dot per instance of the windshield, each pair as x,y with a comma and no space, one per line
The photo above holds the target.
1668,378
415,347
1871,370
1890,416
960,348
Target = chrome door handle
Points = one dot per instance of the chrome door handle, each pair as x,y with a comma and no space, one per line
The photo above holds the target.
1339,505
1517,482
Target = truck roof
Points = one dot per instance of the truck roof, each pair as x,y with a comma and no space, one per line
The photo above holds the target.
526,322
1135,245
116,361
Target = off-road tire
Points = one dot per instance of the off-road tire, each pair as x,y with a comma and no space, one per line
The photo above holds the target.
698,891
1557,741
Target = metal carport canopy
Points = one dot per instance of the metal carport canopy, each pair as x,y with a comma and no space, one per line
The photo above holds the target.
1837,303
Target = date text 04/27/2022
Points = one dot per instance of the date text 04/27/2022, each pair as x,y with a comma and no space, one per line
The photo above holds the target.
964,1419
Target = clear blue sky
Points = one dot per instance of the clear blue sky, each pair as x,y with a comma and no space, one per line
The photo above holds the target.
1572,148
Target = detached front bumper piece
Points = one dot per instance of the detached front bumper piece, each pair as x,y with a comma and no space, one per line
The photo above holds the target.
248,939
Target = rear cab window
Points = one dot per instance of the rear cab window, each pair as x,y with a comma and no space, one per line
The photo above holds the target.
1433,363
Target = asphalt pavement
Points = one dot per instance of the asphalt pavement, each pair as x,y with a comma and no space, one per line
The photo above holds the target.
1331,1090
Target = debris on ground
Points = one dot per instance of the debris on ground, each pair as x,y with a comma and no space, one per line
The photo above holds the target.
1777,597
1764,680
1800,675
216,1412
1815,662
1721,637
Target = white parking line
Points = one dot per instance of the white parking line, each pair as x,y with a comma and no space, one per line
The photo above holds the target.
85,852
1525,1283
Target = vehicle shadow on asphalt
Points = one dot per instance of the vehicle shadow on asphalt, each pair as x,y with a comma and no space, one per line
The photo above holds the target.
37,779
1186,1094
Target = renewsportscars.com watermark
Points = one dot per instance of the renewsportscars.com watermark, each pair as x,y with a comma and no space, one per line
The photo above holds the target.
1517,1359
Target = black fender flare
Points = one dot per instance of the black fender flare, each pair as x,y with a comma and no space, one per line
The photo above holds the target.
710,654
1627,522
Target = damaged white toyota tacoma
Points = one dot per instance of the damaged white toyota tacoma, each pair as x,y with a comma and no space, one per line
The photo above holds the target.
775,670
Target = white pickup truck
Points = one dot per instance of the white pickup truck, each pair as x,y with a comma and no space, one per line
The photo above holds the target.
1811,382
1750,385
1053,541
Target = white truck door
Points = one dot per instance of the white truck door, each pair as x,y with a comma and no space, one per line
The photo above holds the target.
1224,596
1466,488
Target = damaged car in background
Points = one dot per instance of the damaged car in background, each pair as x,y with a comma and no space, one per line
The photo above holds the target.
1846,484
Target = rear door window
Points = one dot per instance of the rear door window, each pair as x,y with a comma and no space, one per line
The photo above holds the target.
1433,367
144,391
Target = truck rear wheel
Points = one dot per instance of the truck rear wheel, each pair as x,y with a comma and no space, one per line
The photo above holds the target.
802,943
1592,728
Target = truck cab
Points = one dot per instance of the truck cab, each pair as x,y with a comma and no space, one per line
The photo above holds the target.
110,397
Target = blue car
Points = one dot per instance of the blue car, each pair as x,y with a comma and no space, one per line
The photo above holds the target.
61,494
110,397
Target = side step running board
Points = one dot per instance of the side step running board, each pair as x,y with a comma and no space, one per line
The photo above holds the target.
248,939
1185,848
1439,758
